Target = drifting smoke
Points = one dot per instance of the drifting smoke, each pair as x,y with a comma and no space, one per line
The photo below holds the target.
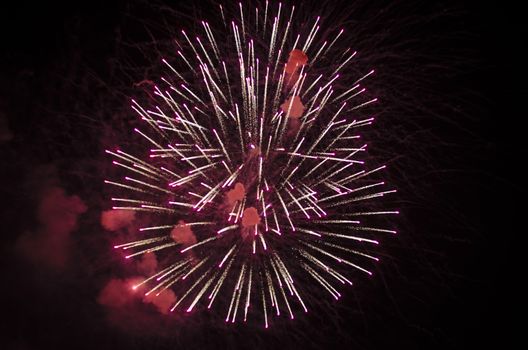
148,264
250,217
236,194
163,301
57,214
183,234
121,297
118,292
293,107
114,220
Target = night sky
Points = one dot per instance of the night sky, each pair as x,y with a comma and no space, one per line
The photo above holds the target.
452,133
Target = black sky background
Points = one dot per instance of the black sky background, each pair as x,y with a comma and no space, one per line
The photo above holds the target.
468,224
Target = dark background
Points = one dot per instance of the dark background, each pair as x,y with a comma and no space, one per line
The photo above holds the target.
454,276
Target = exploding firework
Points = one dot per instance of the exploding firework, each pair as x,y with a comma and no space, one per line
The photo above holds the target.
253,176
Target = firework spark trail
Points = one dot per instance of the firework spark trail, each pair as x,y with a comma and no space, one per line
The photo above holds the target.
286,138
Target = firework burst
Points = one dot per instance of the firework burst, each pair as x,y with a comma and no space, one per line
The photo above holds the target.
255,173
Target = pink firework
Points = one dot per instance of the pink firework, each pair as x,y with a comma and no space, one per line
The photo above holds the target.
255,178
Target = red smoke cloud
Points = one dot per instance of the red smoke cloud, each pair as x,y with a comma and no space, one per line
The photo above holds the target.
57,214
183,234
131,311
117,292
250,217
148,264
163,302
113,220
236,194
296,60
295,106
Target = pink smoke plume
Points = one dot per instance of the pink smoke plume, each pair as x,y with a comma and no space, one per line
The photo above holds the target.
127,309
57,214
114,220
236,194
118,292
162,301
148,264
296,60
295,107
183,234
250,217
